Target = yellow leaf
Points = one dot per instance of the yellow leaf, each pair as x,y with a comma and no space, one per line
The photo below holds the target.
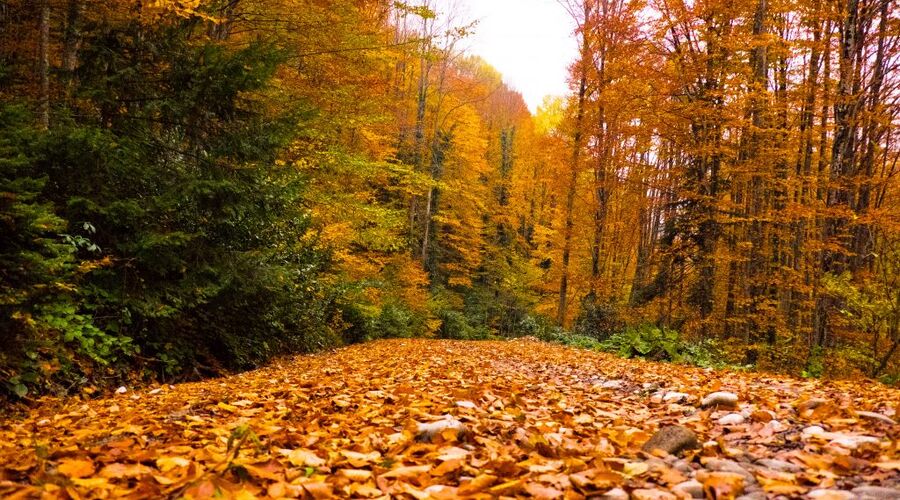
91,482
118,471
166,464
303,458
76,468
357,475
478,484
357,459
227,407
407,472
632,469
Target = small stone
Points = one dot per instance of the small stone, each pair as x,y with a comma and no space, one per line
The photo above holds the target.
654,463
720,398
692,488
779,465
830,494
876,493
155,391
465,404
615,494
683,466
724,465
121,390
671,439
871,415
776,426
814,430
647,494
675,397
611,384
732,419
426,432
853,442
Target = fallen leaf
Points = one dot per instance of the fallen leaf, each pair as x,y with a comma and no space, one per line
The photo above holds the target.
407,472
76,468
301,458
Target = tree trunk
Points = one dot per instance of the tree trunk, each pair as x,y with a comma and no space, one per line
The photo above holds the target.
573,178
44,66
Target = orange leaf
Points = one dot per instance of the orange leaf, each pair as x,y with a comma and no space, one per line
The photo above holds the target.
723,485
407,472
119,471
76,468
478,484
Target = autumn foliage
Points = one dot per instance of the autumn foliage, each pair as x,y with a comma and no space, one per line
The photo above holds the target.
193,187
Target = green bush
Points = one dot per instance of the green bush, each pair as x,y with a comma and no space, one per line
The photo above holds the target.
364,322
573,340
455,325
650,342
599,320
42,324
398,321
164,234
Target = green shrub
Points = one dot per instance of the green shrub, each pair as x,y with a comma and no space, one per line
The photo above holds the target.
398,321
455,325
599,320
42,322
650,342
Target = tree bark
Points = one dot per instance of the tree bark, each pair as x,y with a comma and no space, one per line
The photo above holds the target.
44,65
577,137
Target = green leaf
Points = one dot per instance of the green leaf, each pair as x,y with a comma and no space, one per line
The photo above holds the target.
20,390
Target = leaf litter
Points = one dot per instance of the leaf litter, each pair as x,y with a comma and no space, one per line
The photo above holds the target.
428,419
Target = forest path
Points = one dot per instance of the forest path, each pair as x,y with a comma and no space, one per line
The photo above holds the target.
443,419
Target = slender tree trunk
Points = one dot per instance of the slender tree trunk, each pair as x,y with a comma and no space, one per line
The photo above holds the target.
707,163
843,160
419,132
44,65
873,134
570,205
819,311
573,177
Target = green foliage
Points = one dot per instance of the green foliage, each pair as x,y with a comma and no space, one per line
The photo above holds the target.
650,342
155,220
393,320
890,379
646,342
872,307
455,325
599,320
397,320
571,339
39,272
815,365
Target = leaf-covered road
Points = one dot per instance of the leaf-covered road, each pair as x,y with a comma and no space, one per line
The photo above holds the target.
443,419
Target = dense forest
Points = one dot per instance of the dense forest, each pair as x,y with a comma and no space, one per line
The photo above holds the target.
191,187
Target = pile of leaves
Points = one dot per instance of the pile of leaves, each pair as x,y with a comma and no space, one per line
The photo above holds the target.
444,419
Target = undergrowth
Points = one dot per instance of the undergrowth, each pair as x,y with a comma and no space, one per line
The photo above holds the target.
645,342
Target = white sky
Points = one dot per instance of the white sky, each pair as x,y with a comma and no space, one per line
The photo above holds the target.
529,41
